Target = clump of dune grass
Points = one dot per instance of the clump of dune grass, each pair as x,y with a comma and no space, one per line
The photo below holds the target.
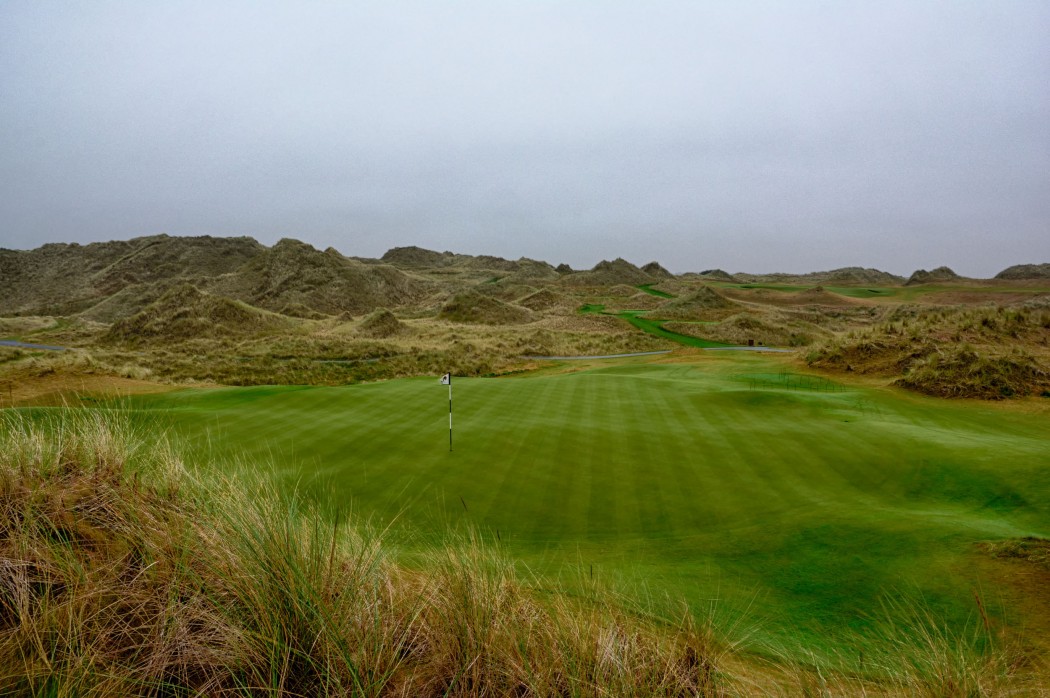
990,352
1029,548
100,583
922,656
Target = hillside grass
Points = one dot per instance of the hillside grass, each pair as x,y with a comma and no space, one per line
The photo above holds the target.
333,351
988,352
657,329
799,501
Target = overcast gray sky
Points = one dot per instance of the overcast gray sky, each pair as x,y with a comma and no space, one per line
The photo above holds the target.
751,136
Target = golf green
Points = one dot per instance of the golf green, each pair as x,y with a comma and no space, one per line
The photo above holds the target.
797,503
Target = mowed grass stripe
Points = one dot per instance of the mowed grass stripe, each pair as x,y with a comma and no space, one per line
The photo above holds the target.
676,485
640,506
526,466
738,486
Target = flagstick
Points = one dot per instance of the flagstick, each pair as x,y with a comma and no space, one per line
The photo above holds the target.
450,413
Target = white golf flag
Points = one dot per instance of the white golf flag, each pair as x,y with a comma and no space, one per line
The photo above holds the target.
446,379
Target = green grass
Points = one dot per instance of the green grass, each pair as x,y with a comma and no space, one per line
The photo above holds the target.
799,505
648,288
905,294
656,328
856,292
851,291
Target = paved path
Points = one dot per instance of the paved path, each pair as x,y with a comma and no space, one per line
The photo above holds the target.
652,353
24,345
773,349
606,356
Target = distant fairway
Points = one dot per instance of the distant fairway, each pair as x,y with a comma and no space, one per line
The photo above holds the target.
718,478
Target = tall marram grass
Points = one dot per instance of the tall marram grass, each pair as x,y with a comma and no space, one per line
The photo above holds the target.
122,572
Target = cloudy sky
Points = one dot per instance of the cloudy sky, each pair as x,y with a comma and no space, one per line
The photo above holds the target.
751,136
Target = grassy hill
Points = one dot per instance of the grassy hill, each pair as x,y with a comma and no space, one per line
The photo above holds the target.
473,307
845,276
1025,271
984,352
187,313
940,274
606,273
61,279
381,323
113,280
704,303
294,272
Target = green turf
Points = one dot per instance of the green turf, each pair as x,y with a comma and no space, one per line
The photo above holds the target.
899,293
648,288
799,500
787,288
656,328
860,292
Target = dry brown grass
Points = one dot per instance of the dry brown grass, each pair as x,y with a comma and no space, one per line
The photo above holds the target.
988,352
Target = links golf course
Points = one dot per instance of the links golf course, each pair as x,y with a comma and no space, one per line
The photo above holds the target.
791,505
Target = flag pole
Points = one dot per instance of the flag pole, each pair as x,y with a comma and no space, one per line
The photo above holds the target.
447,380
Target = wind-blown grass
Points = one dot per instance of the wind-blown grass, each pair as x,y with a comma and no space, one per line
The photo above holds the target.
984,352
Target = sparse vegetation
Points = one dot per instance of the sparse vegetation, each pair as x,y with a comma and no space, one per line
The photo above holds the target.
380,324
480,309
950,352
770,329
185,312
1025,271
1029,548
704,303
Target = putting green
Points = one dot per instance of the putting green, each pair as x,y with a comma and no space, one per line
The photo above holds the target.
800,501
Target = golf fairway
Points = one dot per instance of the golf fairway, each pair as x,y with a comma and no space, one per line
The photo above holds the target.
796,503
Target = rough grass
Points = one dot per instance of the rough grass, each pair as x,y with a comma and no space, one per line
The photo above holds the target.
473,307
381,323
1030,548
963,372
984,352
772,329
334,352
186,312
703,303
